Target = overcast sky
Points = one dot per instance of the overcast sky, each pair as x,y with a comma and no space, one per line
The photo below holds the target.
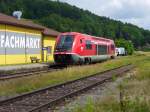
132,11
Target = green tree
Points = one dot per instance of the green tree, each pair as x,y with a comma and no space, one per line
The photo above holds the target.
64,17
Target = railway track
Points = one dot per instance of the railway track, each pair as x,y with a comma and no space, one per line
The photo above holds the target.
42,100
25,73
37,71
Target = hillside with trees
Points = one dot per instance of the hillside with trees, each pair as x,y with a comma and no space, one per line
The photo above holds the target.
64,17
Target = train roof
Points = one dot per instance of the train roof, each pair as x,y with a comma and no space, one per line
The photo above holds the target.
94,37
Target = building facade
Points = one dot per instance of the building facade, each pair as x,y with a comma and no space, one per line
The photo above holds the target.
20,40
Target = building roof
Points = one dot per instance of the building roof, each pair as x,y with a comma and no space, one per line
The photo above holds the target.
5,19
50,32
10,20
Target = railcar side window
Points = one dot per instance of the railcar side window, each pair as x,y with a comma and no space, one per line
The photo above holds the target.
88,44
102,49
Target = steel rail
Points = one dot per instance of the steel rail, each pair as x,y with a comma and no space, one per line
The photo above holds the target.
20,75
4,77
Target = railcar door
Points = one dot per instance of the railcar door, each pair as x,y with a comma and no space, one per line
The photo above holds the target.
81,47
96,49
112,51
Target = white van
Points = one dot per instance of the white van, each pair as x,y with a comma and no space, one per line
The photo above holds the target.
120,51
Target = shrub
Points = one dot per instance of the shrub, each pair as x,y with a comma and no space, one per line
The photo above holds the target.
128,45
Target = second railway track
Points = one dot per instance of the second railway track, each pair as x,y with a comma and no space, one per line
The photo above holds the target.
20,74
24,73
41,100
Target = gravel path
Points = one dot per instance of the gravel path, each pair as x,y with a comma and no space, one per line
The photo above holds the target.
16,67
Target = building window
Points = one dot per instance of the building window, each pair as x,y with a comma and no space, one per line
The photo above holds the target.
88,44
49,49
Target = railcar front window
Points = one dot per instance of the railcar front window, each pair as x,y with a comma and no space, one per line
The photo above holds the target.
65,43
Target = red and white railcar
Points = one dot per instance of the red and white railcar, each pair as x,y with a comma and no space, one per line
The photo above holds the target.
77,48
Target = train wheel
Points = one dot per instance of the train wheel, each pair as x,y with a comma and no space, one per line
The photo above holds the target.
112,57
87,61
90,61
81,62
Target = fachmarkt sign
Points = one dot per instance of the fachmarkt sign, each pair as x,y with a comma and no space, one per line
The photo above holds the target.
19,43
14,41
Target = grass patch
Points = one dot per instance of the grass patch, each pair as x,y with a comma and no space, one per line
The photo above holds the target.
111,105
114,78
27,84
133,94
